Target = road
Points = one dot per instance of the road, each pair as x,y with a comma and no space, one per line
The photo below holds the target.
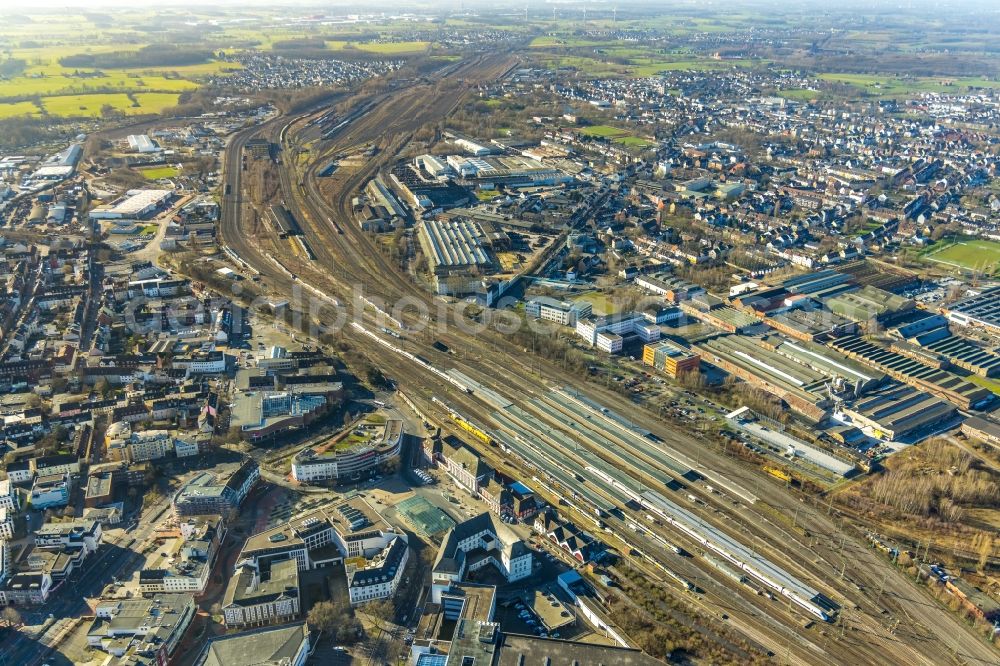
112,560
818,549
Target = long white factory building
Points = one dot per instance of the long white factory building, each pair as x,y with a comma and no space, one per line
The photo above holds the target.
453,245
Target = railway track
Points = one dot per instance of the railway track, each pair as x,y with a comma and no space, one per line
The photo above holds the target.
346,257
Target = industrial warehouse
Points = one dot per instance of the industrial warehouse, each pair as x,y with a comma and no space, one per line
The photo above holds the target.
981,310
136,204
457,254
947,385
827,388
557,335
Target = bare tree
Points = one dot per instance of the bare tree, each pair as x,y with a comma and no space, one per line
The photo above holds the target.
381,612
11,617
323,616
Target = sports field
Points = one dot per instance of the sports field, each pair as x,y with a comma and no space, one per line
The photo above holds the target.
980,255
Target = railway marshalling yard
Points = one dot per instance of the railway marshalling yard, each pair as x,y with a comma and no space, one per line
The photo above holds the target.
558,438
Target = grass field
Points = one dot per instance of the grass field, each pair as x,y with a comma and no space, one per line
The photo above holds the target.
384,48
635,142
89,106
550,41
212,68
153,102
800,94
986,382
18,109
892,86
84,105
393,48
64,90
602,304
23,86
604,131
981,255
617,135
156,173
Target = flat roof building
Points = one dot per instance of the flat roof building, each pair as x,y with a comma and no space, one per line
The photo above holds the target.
981,310
947,385
868,304
263,414
287,646
454,245
132,628
900,412
560,312
799,386
810,324
256,597
136,204
670,357
325,536
216,493
141,143
358,453
521,650
983,429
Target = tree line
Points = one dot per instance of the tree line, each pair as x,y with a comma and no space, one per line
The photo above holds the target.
154,55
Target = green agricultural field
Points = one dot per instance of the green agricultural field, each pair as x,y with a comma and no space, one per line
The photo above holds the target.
85,105
156,173
893,87
212,68
642,61
587,66
979,255
653,66
82,92
18,109
89,106
45,60
553,41
25,86
383,48
153,102
394,48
